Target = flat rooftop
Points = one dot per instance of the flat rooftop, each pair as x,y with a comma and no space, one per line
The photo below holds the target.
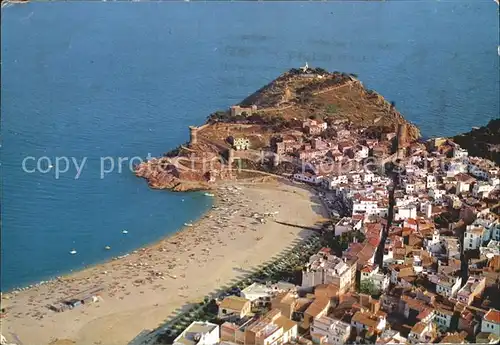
196,328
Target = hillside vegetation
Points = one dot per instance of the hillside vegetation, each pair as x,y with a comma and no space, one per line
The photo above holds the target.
483,141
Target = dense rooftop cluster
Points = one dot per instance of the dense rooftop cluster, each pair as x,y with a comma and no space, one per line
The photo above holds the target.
422,262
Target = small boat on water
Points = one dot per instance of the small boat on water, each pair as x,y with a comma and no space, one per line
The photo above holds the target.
209,194
107,247
72,252
188,224
124,232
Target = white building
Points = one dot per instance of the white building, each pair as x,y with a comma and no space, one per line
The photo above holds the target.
390,337
430,181
308,178
481,168
409,187
491,228
406,212
335,180
481,189
491,322
364,205
199,333
369,206
446,286
368,177
324,268
257,293
347,224
443,317
380,280
455,168
437,193
459,152
494,181
422,333
473,238
491,249
361,152
365,320
464,182
335,332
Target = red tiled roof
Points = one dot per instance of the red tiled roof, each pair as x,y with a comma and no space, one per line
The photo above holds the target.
464,178
411,221
325,250
374,241
493,316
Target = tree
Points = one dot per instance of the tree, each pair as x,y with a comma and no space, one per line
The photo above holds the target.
368,286
340,243
331,108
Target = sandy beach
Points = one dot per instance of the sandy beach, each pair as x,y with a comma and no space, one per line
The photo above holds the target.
149,286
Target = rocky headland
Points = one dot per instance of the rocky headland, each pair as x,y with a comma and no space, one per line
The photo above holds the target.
483,141
279,109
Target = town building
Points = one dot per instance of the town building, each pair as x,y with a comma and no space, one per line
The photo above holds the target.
422,333
454,338
405,212
199,333
314,127
473,237
363,321
390,337
308,177
318,308
446,285
325,330
482,189
234,306
443,315
371,273
473,288
285,302
464,182
491,322
324,268
348,224
270,329
238,110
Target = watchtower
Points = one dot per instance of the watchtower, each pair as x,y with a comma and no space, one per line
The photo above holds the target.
193,135
401,140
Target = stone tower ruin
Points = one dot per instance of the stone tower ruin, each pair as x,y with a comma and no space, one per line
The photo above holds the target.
193,135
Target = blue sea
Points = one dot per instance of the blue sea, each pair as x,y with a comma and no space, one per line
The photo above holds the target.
124,79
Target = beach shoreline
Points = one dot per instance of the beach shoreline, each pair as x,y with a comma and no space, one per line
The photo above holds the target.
71,272
146,287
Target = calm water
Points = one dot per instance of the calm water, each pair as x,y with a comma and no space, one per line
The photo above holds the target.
125,79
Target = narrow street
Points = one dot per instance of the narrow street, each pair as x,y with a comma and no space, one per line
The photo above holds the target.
379,256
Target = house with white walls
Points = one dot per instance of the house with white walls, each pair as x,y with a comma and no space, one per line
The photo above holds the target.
199,333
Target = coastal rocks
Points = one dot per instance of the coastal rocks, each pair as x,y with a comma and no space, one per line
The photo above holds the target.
162,174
